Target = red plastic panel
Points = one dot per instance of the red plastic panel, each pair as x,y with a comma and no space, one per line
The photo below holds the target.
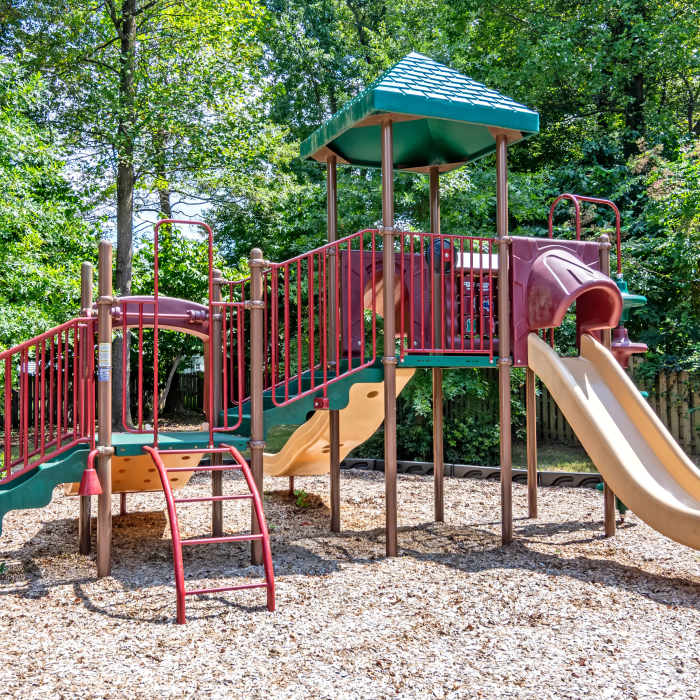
547,277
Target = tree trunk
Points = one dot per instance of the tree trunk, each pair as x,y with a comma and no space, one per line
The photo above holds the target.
166,389
125,195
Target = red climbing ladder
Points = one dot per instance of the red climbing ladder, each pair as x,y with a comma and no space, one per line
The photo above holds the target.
239,463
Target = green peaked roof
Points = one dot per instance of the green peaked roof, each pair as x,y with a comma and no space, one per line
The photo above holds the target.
440,117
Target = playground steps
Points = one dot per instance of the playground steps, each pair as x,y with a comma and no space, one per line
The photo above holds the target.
253,496
35,488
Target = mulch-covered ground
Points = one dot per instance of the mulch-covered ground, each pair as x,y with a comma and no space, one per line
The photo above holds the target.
562,612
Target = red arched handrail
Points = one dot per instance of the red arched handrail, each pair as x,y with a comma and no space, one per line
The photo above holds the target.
576,199
210,235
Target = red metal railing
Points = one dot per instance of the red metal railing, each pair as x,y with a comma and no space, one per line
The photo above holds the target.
48,387
577,199
234,350
448,294
322,317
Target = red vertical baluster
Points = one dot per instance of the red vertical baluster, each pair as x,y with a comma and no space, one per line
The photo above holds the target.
79,388
274,331
492,319
125,362
24,406
410,341
441,281
35,396
422,290
472,295
223,311
462,299
67,379
59,389
338,300
323,330
374,295
361,299
52,384
402,277
287,343
140,401
310,266
299,330
7,462
42,406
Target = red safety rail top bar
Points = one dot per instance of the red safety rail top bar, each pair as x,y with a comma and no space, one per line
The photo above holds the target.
52,378
577,199
305,304
448,285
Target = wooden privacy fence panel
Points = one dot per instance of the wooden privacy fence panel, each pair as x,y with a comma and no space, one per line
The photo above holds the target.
674,396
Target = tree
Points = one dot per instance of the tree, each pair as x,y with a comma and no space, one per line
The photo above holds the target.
145,91
43,234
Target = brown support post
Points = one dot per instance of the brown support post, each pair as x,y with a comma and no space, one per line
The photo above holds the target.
438,449
104,410
122,504
608,495
84,520
504,360
257,442
333,414
389,358
216,376
531,426
291,486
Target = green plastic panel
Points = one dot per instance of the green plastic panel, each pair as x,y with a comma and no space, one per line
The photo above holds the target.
447,361
35,488
450,115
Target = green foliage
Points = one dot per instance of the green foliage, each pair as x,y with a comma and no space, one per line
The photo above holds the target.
43,233
301,499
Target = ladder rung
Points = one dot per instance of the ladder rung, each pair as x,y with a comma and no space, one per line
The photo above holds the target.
200,499
228,538
194,450
209,468
223,589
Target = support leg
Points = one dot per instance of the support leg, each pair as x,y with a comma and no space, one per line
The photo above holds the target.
334,430
84,523
291,486
506,453
122,504
531,419
609,501
438,455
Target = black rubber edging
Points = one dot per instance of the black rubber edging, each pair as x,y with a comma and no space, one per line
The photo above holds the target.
467,471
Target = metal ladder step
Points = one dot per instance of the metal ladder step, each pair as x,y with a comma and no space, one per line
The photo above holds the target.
262,535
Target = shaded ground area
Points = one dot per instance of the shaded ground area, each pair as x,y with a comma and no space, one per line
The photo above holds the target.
561,612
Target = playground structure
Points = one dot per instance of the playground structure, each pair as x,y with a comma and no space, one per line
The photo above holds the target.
325,341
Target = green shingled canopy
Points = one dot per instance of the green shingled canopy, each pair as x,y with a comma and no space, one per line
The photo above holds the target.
440,117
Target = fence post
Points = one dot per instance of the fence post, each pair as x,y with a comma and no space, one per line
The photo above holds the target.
104,409
84,520
608,495
257,434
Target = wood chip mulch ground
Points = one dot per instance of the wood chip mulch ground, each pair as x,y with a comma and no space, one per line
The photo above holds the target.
561,613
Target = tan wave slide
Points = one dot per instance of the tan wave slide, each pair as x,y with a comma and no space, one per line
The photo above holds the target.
306,451
630,446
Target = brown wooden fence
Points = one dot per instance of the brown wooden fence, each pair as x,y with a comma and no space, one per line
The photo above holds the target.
675,396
